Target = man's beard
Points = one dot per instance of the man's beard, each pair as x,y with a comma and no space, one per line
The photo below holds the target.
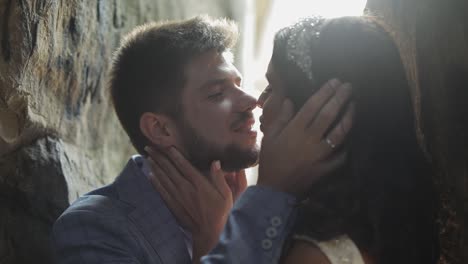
201,152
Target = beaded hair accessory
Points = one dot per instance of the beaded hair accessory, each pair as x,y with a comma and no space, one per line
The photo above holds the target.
304,34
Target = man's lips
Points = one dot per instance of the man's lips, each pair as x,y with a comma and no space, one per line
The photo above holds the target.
245,126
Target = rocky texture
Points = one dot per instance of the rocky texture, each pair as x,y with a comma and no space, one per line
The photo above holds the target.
433,38
59,136
53,64
33,193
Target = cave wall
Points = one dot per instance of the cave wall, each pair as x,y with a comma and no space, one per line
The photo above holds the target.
59,136
433,38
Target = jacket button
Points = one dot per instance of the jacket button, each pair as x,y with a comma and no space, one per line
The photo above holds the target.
266,244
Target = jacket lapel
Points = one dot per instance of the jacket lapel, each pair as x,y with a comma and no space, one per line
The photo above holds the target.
151,216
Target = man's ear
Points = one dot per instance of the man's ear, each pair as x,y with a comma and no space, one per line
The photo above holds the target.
158,129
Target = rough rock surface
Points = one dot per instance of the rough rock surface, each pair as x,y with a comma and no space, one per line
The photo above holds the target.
59,136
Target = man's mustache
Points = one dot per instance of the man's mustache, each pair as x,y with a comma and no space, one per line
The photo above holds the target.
241,120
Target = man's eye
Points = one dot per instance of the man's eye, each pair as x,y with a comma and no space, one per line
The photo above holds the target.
216,96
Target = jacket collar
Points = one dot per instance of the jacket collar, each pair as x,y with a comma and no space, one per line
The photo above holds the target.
150,213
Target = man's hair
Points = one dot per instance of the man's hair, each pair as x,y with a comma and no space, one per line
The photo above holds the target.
383,197
147,72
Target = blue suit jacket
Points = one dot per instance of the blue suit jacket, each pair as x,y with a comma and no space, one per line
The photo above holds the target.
128,222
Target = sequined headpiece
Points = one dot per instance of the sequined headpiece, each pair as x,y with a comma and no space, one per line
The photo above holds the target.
304,34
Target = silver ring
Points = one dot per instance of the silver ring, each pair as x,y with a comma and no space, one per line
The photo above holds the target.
330,143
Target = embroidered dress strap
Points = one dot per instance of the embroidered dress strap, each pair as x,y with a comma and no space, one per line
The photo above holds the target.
340,250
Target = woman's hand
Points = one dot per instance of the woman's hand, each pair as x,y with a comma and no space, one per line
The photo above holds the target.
200,204
296,151
237,182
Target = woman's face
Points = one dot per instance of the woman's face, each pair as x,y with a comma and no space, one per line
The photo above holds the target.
271,99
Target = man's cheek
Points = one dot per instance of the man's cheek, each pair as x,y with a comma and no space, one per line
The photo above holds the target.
226,105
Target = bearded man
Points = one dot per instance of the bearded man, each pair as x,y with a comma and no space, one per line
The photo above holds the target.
173,86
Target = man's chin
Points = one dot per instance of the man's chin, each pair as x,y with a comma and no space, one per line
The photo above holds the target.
235,159
248,140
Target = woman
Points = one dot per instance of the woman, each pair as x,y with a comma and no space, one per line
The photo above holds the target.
380,206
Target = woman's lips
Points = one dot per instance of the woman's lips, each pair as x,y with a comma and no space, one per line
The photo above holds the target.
261,124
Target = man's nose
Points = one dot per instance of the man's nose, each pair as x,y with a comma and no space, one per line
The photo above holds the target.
247,102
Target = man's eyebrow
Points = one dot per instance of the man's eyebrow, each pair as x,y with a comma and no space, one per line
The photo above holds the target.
212,82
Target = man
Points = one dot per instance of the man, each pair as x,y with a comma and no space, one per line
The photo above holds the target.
262,217
174,87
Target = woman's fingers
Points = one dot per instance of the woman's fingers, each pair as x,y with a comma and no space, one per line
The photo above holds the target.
159,175
241,181
203,207
168,167
185,167
334,162
286,114
330,110
335,137
217,178
338,134
311,108
292,160
237,182
165,188
172,180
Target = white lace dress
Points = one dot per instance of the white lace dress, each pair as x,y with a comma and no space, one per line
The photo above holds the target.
340,250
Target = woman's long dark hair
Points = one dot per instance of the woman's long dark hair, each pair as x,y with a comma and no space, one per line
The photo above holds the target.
383,197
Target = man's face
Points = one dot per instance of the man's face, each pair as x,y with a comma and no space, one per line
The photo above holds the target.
216,120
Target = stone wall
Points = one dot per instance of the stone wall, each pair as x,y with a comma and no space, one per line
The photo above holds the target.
59,136
433,38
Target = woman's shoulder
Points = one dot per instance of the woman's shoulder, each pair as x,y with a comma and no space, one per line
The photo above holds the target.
305,252
340,250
